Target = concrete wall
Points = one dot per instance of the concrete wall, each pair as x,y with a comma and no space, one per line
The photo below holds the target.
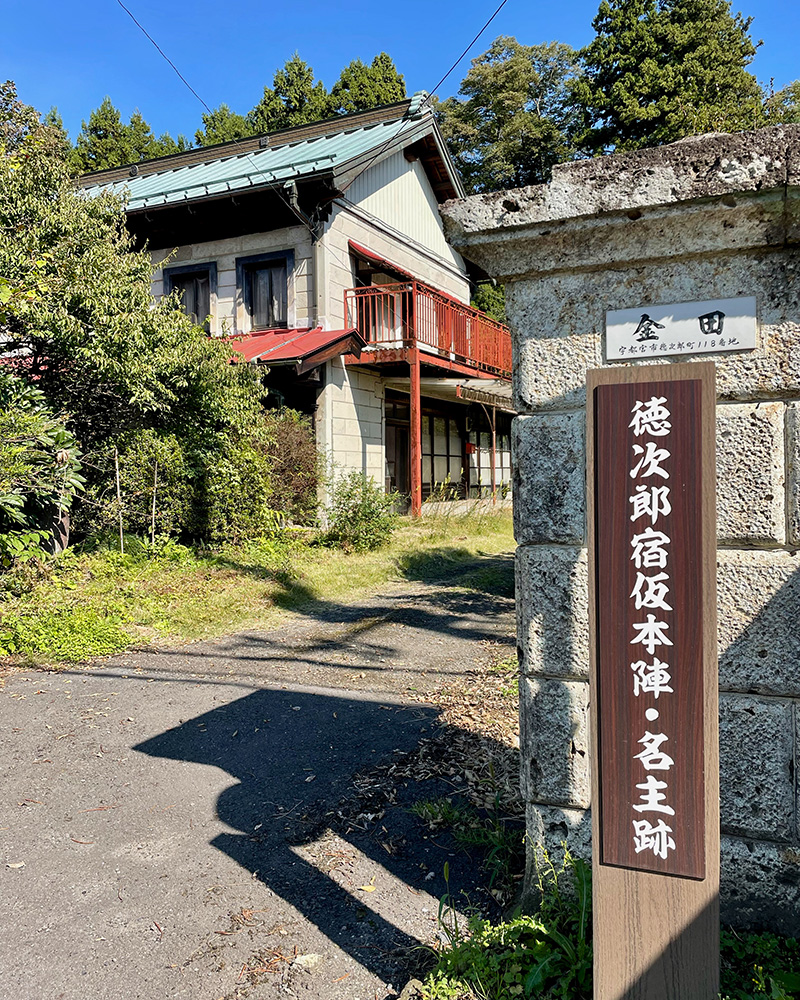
350,421
228,315
713,217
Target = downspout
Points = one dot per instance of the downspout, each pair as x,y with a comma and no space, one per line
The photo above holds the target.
318,278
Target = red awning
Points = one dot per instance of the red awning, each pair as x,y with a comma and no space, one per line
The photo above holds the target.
375,258
305,349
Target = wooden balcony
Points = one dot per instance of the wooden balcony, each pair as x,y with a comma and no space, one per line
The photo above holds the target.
396,318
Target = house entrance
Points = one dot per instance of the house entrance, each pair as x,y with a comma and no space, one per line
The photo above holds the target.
397,458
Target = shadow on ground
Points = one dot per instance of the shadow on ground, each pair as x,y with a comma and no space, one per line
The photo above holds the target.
377,636
294,756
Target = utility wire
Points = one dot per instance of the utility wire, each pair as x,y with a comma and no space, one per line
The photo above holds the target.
161,52
466,50
372,159
432,93
261,173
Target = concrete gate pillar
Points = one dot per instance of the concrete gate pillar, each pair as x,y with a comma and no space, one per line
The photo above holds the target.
710,217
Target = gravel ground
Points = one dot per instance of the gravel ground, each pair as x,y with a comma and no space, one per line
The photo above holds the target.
230,819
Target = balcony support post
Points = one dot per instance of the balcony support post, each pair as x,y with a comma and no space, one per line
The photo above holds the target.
415,433
494,455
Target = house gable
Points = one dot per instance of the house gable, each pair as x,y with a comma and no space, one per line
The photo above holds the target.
398,191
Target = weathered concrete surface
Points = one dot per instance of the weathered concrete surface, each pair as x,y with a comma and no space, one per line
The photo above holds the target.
165,815
793,471
758,600
549,478
750,474
760,884
713,217
756,770
554,730
699,167
557,322
552,611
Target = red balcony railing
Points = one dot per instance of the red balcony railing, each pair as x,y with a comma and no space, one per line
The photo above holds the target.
410,314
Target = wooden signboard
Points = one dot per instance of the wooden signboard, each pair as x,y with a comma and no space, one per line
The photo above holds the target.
652,560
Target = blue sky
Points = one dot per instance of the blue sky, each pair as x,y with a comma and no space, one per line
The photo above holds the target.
72,55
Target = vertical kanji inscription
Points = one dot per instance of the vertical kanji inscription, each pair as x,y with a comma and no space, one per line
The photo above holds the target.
649,611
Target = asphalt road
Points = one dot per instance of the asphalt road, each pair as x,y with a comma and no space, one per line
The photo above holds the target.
166,827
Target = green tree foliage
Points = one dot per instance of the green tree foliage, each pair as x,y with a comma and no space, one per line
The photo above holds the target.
77,307
783,107
222,125
361,87
514,117
293,99
490,299
106,141
659,70
39,468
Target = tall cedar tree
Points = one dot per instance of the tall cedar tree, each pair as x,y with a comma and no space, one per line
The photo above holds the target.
294,99
361,87
106,141
222,125
514,118
659,70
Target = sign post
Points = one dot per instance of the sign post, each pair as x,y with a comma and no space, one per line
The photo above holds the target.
652,599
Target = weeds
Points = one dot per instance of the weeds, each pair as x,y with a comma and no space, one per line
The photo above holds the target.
546,955
500,841
97,600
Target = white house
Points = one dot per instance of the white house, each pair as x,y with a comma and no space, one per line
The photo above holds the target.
320,250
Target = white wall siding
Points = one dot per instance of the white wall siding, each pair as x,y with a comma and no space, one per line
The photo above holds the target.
343,226
399,193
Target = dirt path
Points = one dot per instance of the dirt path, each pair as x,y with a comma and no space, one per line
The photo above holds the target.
184,823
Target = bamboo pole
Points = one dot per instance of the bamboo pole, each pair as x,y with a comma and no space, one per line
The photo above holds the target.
153,517
119,502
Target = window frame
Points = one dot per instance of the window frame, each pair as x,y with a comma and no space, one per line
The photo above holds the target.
246,264
176,271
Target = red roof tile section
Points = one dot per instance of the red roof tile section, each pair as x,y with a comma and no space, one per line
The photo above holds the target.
305,348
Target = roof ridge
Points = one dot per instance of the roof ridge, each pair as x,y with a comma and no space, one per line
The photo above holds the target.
253,144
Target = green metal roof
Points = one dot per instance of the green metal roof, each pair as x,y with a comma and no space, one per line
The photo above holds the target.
234,169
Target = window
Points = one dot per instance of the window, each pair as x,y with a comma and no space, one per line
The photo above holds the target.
197,286
264,281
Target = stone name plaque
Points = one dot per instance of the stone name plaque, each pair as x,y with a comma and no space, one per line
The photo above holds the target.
650,603
713,326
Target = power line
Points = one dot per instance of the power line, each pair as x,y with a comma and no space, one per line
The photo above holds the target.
466,50
432,93
261,173
247,153
150,38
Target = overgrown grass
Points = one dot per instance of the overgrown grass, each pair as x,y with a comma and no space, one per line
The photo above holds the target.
548,955
86,604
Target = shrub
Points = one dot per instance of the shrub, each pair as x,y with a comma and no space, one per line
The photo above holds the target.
361,516
235,499
294,464
39,470
150,463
